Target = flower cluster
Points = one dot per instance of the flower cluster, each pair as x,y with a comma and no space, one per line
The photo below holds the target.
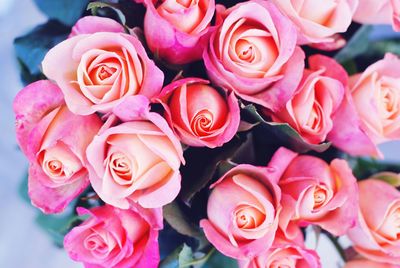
109,119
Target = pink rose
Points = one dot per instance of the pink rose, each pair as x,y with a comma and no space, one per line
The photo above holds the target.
178,31
316,100
318,21
371,115
243,210
377,233
364,263
314,192
253,52
284,254
116,238
379,12
199,114
94,24
57,162
137,160
97,71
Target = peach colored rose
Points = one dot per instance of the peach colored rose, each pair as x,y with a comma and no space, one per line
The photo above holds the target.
116,238
94,24
57,161
314,192
178,31
199,114
137,160
97,71
318,21
379,12
316,100
284,254
377,233
243,209
371,115
365,263
253,52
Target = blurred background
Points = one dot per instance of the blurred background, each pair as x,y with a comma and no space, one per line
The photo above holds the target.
22,243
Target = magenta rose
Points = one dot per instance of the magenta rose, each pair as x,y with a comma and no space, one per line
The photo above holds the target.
97,71
377,233
57,159
314,192
199,114
253,52
137,160
370,114
178,31
316,100
94,24
117,238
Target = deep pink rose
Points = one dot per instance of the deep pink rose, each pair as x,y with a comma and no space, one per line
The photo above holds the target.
243,209
318,21
117,238
57,161
94,24
284,254
377,233
137,160
253,52
365,263
316,100
370,114
178,31
199,114
314,192
97,71
379,12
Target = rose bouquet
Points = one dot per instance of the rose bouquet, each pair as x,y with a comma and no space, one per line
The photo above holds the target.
180,133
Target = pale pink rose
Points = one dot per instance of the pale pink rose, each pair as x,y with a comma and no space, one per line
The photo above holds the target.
318,21
137,160
116,238
178,31
97,71
377,233
316,100
243,209
314,192
379,12
199,114
284,254
94,24
253,52
365,263
57,161
370,114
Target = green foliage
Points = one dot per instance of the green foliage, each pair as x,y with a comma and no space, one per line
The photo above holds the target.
65,11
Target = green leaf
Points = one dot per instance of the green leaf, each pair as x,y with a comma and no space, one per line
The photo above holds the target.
65,11
185,256
175,217
388,177
356,46
217,260
95,6
284,132
364,168
32,47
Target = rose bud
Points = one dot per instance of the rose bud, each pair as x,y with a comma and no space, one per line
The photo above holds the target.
284,254
370,114
100,70
137,160
199,114
94,24
253,52
317,98
365,263
117,238
314,192
318,21
57,161
243,211
377,233
378,12
178,31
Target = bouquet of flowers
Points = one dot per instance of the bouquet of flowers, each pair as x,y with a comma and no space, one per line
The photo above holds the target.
183,133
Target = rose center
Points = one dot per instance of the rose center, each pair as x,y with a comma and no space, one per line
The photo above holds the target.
121,167
55,168
202,123
106,72
320,197
98,246
248,217
245,50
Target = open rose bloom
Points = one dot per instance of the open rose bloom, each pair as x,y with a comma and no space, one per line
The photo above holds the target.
163,131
